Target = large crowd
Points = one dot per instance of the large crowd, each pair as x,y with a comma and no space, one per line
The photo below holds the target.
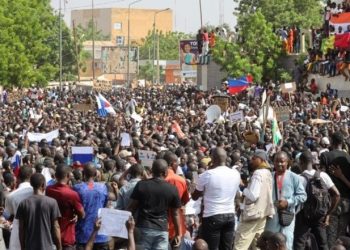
212,185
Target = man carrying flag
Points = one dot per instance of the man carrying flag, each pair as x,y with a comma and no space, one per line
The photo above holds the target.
236,86
104,106
14,156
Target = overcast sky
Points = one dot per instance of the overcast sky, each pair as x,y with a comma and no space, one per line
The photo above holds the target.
186,12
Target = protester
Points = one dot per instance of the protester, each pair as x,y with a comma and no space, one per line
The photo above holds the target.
218,186
181,186
69,204
318,207
39,230
93,196
24,191
340,218
153,198
258,203
288,192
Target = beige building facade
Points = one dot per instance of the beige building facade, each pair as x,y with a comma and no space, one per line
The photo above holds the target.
114,22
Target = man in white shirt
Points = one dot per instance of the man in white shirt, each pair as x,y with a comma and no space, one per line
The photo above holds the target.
218,186
23,191
258,203
317,225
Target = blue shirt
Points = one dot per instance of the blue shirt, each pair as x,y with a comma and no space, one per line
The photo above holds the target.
93,196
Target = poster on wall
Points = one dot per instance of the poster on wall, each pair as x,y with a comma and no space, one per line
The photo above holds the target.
188,58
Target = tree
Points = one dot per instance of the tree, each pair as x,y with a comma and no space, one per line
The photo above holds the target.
305,13
255,52
29,43
168,45
89,32
146,72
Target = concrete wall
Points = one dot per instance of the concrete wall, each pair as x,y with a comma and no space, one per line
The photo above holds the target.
114,22
141,22
102,18
210,76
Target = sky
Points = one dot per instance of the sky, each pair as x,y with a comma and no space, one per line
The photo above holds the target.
186,12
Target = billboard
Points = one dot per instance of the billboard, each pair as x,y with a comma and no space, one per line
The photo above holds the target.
189,54
114,60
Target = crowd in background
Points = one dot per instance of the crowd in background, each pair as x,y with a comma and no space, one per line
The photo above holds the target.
213,185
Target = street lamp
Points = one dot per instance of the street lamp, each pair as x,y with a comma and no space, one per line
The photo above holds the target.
128,66
154,43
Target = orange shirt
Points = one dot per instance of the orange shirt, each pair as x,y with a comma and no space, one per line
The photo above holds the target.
181,186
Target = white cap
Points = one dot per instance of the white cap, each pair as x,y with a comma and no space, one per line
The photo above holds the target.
325,141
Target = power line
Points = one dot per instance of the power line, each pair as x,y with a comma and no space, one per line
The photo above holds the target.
99,4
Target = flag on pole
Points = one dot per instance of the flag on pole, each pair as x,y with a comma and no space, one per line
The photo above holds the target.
236,86
16,163
276,133
82,154
103,106
340,20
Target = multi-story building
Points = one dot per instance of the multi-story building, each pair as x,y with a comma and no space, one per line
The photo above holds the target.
113,22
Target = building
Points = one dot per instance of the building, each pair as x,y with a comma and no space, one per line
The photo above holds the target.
113,22
110,60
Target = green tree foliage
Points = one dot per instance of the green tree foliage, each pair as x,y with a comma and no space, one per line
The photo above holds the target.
168,45
256,50
303,13
146,72
29,43
89,32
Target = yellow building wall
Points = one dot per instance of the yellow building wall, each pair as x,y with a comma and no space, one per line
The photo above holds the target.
141,22
114,22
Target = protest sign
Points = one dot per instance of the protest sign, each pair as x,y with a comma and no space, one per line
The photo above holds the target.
147,157
37,137
222,101
102,86
113,222
289,87
126,141
82,107
282,113
237,116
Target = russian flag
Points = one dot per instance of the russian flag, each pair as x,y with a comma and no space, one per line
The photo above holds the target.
16,163
82,154
104,107
236,86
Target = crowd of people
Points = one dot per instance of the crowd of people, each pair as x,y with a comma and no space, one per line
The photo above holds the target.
210,186
323,56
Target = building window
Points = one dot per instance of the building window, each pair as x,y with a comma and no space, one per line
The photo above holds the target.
120,40
117,26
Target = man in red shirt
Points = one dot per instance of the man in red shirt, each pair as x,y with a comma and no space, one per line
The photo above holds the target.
69,204
181,186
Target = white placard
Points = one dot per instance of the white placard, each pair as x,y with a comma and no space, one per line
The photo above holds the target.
288,85
126,141
237,116
113,222
37,137
147,157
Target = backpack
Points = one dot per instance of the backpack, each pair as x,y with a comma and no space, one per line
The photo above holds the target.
318,199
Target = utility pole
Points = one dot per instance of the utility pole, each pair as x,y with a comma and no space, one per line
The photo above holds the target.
129,44
93,41
200,12
158,71
154,41
60,42
76,50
